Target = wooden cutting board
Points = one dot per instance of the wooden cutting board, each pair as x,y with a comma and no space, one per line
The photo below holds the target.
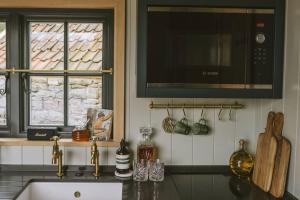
282,158
265,156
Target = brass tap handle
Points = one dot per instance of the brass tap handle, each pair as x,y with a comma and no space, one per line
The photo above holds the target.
55,150
55,138
94,138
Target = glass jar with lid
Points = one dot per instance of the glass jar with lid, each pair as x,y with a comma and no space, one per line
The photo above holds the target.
80,134
146,149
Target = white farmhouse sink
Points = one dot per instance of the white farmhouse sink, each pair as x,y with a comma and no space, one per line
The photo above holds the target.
71,191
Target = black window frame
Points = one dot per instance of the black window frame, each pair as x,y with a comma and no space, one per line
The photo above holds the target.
18,40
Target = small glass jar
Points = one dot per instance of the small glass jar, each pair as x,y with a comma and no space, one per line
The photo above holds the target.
156,171
80,134
140,170
241,162
146,148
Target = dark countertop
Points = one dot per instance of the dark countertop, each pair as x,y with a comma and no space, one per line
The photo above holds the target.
175,186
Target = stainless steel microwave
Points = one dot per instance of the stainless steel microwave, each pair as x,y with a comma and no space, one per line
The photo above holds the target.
211,48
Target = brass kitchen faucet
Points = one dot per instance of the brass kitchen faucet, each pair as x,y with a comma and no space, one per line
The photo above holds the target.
95,156
57,156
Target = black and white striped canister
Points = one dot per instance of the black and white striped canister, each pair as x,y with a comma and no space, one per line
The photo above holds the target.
122,163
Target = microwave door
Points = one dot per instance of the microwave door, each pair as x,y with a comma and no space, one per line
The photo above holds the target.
181,48
196,49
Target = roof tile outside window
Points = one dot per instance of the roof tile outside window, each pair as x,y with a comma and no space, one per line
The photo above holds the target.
85,41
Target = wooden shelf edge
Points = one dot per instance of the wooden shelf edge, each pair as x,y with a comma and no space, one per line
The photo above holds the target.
62,142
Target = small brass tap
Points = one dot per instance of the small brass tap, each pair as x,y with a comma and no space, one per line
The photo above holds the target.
57,156
95,156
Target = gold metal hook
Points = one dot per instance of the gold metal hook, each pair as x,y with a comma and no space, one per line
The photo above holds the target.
151,105
219,115
183,111
168,112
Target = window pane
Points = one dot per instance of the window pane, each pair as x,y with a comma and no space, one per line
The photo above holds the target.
47,46
3,114
84,93
2,45
46,100
2,103
85,46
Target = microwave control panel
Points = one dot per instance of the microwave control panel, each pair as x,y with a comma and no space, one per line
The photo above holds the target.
260,56
263,48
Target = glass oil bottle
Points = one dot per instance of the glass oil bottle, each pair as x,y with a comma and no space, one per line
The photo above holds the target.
241,162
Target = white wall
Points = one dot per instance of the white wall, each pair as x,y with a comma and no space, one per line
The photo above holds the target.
291,95
213,149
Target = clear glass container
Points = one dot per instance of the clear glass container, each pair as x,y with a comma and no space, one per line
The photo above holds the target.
80,134
140,170
146,148
241,162
156,171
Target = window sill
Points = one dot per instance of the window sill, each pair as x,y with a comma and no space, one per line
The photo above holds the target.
63,142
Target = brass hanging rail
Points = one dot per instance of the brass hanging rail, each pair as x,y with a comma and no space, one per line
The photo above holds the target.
235,105
14,70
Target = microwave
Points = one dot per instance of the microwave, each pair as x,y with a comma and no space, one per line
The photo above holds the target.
211,50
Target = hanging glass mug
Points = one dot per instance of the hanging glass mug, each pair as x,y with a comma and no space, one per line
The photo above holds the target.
182,126
201,127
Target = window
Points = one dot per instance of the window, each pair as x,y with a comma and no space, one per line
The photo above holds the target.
63,99
3,96
65,52
3,76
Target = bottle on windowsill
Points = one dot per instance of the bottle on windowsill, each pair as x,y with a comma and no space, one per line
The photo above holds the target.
146,149
80,134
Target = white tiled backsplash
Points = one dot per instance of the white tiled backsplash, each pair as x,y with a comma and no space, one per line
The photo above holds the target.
42,155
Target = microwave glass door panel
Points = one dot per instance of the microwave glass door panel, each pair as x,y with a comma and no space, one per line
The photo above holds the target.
218,48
